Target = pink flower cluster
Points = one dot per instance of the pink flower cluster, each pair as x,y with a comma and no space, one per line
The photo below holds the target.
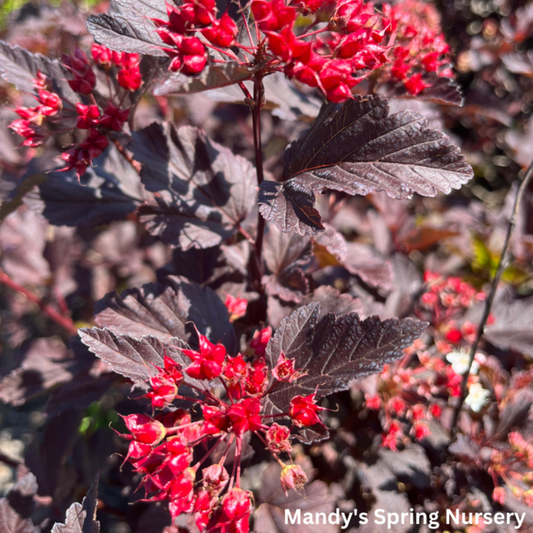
162,446
419,45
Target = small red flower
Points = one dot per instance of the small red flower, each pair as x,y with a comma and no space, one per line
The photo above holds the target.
145,429
303,411
236,307
207,363
277,438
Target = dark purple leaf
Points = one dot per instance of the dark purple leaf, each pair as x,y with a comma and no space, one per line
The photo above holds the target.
16,507
81,517
365,262
87,387
334,351
163,311
129,28
47,363
110,191
512,323
464,446
332,301
358,149
358,259
333,242
136,359
15,200
285,256
521,144
19,67
203,191
442,90
213,76
22,242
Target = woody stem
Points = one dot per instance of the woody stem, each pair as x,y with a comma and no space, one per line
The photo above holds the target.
256,263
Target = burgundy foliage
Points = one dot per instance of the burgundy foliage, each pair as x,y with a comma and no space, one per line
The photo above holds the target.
245,249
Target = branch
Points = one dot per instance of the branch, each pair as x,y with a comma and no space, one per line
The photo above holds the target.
256,259
58,318
488,302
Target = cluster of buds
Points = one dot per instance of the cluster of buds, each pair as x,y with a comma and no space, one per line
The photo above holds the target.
187,51
410,395
334,58
162,446
336,46
444,303
420,47
96,121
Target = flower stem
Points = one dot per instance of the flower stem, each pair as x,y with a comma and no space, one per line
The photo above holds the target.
488,302
64,321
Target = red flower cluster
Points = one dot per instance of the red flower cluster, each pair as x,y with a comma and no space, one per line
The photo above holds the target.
98,122
162,447
410,396
446,299
351,46
420,47
188,52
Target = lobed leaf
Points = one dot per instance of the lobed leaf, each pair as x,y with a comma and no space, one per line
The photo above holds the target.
136,359
17,506
201,190
164,310
286,255
334,350
358,149
110,191
19,67
129,28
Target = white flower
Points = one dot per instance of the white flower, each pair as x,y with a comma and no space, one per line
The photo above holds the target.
477,397
459,361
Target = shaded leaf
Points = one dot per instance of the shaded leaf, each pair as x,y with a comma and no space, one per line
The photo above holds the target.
285,256
381,480
359,149
202,191
334,351
365,262
16,507
358,259
512,324
25,186
136,359
110,191
129,28
332,242
22,244
163,311
47,363
19,67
